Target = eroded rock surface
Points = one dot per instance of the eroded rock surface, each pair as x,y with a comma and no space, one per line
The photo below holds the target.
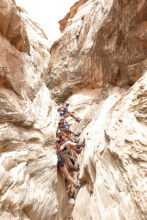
67,20
104,44
101,53
28,121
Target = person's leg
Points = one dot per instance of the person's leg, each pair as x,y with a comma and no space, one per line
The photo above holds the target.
71,131
75,146
71,138
67,175
73,116
71,145
69,163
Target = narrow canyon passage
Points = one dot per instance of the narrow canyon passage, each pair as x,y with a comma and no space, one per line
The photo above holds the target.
98,65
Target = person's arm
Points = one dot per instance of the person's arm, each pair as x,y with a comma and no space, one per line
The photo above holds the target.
62,142
62,147
60,150
69,112
66,129
65,135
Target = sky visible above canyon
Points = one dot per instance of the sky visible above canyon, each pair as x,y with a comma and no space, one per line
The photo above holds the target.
47,13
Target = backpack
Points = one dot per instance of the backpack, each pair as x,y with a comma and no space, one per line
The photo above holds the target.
59,107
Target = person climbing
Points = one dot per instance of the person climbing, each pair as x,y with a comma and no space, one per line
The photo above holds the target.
61,125
64,111
68,160
63,146
64,125
61,167
69,136
74,146
71,166
61,136
68,130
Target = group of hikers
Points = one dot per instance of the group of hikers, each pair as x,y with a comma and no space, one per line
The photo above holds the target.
66,140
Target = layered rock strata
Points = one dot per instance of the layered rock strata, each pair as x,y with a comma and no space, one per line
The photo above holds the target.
28,120
67,20
104,44
101,53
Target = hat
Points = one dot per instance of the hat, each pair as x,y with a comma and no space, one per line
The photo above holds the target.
67,103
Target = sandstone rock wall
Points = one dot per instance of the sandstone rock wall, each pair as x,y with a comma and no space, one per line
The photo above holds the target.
104,44
100,55
112,182
10,24
67,20
28,120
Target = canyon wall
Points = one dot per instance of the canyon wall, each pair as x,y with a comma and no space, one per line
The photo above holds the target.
105,43
28,120
98,65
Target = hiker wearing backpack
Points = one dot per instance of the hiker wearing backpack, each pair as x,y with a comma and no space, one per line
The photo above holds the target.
63,110
66,132
61,167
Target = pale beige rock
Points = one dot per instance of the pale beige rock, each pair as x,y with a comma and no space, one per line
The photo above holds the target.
5,15
62,197
102,48
67,20
10,24
112,156
28,188
104,44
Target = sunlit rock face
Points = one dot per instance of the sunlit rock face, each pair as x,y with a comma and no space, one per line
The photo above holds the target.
101,53
28,120
67,20
10,24
113,163
104,43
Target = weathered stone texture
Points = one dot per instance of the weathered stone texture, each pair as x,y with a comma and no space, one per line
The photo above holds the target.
102,49
28,120
113,164
10,24
104,44
67,20
100,55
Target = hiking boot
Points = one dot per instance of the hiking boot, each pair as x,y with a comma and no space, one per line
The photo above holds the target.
78,120
76,168
82,144
78,185
77,133
79,151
